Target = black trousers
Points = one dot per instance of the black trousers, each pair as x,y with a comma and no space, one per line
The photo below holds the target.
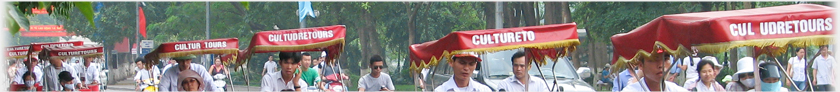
824,87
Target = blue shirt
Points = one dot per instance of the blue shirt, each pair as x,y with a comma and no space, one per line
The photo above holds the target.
674,64
621,81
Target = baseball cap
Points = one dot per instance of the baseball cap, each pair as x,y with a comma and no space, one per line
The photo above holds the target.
467,54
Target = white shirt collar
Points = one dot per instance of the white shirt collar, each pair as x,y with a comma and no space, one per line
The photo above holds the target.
702,87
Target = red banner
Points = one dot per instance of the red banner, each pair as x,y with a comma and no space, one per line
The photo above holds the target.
716,32
43,28
198,47
17,51
73,51
329,38
185,48
36,47
537,38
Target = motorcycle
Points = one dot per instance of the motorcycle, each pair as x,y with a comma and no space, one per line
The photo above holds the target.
150,85
334,83
219,82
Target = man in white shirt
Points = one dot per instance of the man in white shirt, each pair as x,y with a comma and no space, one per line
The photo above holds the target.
89,72
522,81
169,79
653,73
823,70
169,64
286,79
463,65
142,75
56,66
30,64
270,66
691,62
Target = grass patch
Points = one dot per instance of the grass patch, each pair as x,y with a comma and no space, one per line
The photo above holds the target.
404,87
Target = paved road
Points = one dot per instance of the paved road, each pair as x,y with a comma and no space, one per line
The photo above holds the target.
128,85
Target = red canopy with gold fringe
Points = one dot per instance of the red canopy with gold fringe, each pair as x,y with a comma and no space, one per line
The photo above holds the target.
17,51
64,52
328,38
771,29
185,48
543,41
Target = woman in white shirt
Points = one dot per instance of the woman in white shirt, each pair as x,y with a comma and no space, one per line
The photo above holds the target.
796,69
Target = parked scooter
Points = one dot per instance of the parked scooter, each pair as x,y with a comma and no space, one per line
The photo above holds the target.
219,83
334,83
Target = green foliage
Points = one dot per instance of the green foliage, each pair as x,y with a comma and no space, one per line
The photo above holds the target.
18,10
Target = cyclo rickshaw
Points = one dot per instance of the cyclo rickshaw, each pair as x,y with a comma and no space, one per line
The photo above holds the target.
768,31
64,52
32,51
329,39
224,46
542,44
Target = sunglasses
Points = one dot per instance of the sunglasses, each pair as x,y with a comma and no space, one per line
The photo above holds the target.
377,67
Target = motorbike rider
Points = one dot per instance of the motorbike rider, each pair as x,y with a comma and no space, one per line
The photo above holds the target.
142,74
770,73
218,68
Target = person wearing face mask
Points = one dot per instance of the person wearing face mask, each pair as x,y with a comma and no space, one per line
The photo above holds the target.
66,80
770,73
743,79
29,82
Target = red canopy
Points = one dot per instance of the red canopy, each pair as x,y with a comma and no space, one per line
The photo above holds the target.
329,39
17,51
544,41
71,51
714,32
185,48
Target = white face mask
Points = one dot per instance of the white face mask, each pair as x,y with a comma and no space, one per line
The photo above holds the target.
30,83
750,83
69,86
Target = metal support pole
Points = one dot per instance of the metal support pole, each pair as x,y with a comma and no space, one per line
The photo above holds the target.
786,73
137,26
499,15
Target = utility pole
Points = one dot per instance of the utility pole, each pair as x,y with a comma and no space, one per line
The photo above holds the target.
137,32
499,15
207,28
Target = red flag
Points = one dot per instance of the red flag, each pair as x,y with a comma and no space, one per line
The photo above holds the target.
142,22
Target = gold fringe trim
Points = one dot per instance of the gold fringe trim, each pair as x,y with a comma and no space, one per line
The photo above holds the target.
570,45
298,47
17,57
778,42
622,63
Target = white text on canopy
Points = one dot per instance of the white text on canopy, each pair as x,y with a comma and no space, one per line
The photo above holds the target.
73,53
783,27
57,45
221,44
187,46
300,36
500,38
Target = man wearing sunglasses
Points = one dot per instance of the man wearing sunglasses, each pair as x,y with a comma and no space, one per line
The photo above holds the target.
376,80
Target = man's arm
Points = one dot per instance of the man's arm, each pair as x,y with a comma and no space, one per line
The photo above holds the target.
361,84
165,83
390,84
264,68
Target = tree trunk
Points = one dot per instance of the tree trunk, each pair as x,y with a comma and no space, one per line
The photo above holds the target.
566,13
490,15
529,14
748,5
